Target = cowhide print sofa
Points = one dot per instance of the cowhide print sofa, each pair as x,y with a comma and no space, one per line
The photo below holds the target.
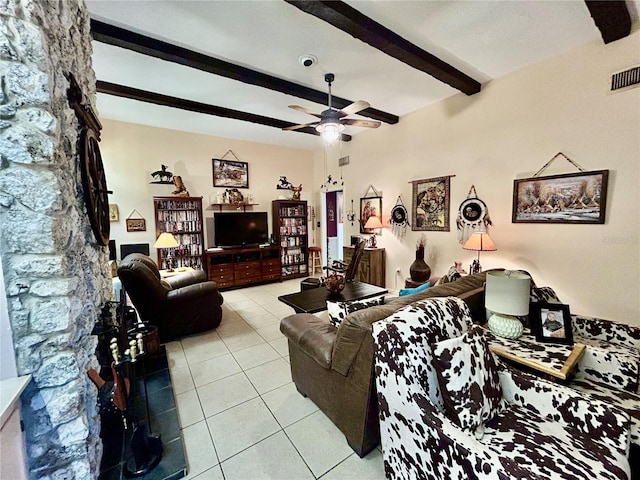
333,366
449,409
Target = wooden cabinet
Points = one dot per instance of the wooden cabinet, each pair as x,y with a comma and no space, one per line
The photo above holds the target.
290,230
181,216
236,267
372,265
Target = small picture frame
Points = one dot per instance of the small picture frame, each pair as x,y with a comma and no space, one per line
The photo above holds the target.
551,323
136,225
114,214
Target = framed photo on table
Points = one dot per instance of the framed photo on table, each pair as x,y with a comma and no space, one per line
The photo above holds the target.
551,323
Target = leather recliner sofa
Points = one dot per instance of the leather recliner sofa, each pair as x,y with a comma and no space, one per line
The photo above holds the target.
181,305
334,366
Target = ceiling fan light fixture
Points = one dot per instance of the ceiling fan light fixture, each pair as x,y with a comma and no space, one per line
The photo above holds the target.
330,131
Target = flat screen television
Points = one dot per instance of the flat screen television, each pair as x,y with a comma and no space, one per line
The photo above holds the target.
238,229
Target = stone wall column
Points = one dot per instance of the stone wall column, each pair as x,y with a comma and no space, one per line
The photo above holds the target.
56,275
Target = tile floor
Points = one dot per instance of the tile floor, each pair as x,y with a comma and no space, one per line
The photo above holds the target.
241,415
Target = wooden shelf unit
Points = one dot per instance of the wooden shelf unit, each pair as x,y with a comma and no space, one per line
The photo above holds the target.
290,224
372,265
181,216
243,266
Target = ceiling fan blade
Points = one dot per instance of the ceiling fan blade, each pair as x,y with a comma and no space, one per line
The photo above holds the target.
355,107
361,123
303,125
304,110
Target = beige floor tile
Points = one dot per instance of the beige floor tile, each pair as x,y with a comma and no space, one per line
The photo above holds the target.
251,312
273,458
242,340
270,376
370,467
240,427
270,332
214,369
214,473
263,320
181,380
226,393
256,355
319,441
201,455
233,327
189,409
287,405
199,349
281,345
177,359
173,346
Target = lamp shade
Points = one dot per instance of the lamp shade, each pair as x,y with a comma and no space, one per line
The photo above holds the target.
166,240
480,242
507,292
373,222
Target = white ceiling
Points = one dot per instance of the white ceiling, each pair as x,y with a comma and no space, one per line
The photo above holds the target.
484,39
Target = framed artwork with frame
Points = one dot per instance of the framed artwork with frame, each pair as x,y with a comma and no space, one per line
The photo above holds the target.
370,207
230,173
136,225
568,198
430,204
551,322
114,214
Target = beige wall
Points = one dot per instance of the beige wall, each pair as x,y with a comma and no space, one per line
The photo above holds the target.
131,152
509,131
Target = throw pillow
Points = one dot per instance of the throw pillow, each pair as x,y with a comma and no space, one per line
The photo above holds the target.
411,291
338,311
543,294
468,377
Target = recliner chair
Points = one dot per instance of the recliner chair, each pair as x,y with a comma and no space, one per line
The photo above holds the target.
181,305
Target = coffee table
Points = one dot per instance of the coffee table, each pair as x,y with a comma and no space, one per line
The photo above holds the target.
315,300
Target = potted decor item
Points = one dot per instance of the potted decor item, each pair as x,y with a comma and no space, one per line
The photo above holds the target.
334,282
419,270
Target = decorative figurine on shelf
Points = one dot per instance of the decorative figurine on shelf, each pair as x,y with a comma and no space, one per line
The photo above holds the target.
283,183
163,175
181,190
234,196
296,192
475,267
456,271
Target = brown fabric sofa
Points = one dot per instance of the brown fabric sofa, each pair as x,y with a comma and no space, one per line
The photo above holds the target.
334,366
184,304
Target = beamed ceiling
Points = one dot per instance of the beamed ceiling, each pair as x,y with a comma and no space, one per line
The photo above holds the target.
231,68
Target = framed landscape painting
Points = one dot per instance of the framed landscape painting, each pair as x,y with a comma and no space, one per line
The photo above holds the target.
430,202
232,174
569,198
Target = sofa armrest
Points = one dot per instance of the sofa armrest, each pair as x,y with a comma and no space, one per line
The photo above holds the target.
607,330
193,292
312,335
187,278
613,364
586,414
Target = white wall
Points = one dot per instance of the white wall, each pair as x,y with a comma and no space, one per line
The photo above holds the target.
131,152
508,131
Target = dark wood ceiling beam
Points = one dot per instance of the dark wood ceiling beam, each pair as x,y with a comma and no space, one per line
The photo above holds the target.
120,37
611,17
351,21
190,105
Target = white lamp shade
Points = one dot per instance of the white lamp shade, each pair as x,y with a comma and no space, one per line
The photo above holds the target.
507,292
166,240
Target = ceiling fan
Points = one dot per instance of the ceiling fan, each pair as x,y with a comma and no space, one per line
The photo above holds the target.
332,121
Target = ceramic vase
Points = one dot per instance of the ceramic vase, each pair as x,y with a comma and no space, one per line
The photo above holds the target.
419,270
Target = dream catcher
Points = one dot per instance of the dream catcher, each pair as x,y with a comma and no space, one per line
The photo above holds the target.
399,218
472,214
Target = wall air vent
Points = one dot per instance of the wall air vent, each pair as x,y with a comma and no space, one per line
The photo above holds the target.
343,161
626,79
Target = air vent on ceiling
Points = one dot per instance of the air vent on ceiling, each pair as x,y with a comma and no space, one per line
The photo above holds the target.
625,79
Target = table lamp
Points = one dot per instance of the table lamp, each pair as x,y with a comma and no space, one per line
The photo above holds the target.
373,223
167,241
507,296
479,241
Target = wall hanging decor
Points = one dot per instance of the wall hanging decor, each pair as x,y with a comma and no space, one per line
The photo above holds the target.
136,224
351,215
230,173
114,214
399,218
162,176
567,198
370,206
430,204
472,214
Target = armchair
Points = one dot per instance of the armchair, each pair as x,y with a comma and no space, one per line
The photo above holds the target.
181,305
541,430
351,269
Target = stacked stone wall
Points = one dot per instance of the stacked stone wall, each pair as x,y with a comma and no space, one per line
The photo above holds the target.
56,275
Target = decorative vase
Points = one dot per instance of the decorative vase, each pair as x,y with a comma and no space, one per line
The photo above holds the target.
419,270
334,283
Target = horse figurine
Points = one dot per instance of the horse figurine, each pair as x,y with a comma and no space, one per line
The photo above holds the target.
163,175
283,183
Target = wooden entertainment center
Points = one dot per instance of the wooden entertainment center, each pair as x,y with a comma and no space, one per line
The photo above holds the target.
243,266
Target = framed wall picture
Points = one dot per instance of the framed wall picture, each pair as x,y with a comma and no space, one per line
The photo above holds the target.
430,204
114,214
136,225
569,198
551,322
370,207
230,173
